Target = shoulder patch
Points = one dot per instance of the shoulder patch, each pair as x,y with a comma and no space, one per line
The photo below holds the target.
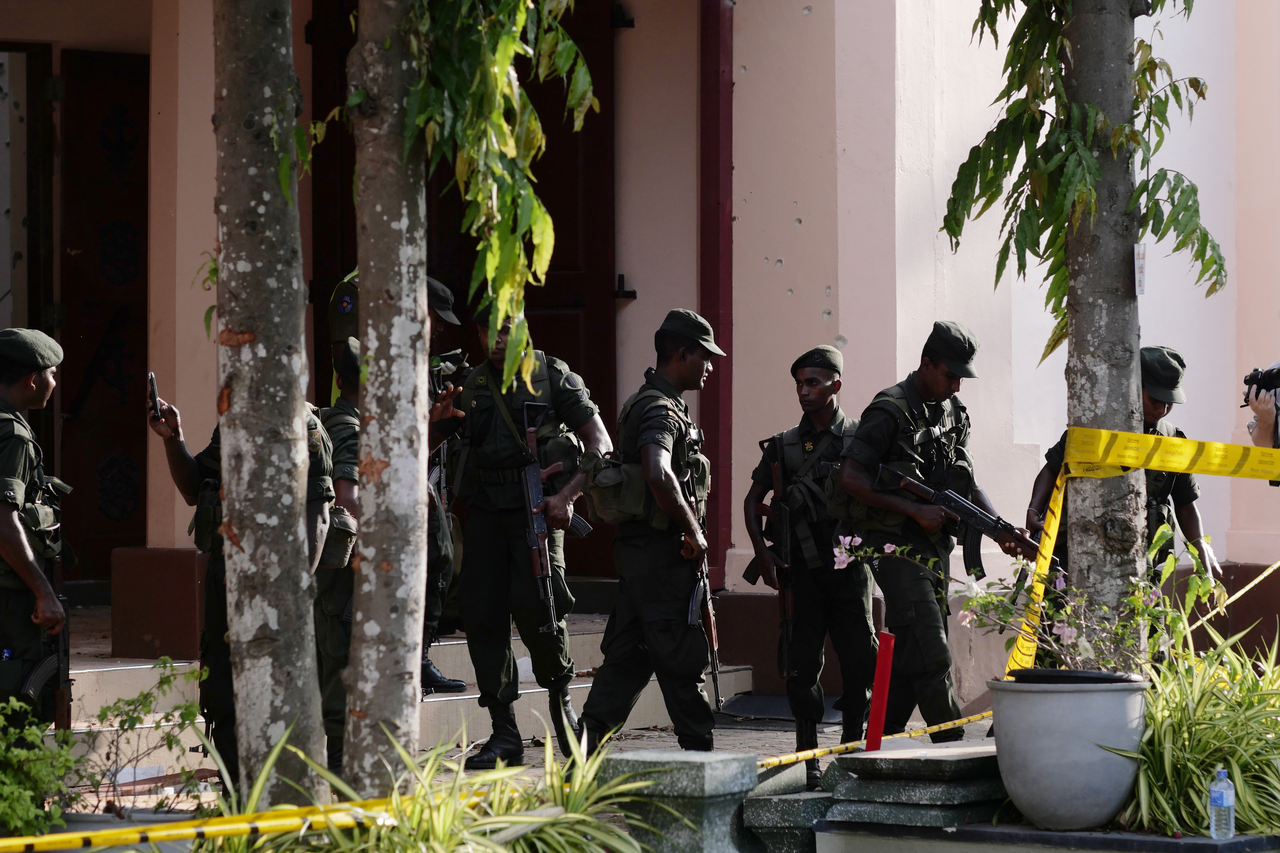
574,381
314,442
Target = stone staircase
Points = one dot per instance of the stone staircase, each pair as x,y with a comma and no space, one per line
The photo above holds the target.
445,718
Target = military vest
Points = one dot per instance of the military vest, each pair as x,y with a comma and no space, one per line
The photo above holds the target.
928,452
804,488
617,489
556,443
340,541
40,511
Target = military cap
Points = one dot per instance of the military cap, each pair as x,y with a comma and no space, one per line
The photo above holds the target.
348,357
29,348
689,325
955,345
440,300
344,311
825,357
1162,370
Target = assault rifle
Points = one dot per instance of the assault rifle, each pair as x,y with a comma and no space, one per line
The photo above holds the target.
779,514
55,666
975,522
703,610
536,522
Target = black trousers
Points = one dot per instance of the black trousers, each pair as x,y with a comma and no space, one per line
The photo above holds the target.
649,634
836,602
217,691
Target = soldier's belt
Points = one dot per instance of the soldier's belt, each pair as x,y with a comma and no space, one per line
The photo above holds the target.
500,476
1107,453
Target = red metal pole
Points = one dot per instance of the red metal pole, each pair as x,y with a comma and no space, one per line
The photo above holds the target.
880,691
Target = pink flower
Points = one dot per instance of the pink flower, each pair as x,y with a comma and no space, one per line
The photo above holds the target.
889,548
1059,583
966,618
842,560
857,540
1065,632
846,542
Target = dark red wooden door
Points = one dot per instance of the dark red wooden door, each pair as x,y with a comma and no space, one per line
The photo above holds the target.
103,448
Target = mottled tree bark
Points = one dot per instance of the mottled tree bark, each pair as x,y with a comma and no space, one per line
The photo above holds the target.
386,645
1106,517
262,373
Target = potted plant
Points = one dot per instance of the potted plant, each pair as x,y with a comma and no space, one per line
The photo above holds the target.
1066,731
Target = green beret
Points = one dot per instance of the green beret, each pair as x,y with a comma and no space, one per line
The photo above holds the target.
825,357
689,325
955,345
29,348
1162,370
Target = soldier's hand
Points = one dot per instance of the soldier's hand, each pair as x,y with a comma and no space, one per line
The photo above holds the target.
1015,546
49,614
770,565
931,517
695,547
558,510
443,406
169,424
1035,521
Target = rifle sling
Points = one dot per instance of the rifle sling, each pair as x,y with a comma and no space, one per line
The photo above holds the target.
808,545
506,413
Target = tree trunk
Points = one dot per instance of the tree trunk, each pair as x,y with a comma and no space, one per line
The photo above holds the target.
262,371
386,644
1106,517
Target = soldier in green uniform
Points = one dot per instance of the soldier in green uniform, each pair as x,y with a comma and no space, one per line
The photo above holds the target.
498,582
917,427
827,597
1170,495
29,607
199,479
660,500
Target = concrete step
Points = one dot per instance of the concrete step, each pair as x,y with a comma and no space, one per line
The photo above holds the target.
445,718
451,656
102,682
141,752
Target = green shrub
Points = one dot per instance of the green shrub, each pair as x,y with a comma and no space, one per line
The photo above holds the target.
33,791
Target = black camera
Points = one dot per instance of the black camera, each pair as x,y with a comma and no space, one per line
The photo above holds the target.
1261,380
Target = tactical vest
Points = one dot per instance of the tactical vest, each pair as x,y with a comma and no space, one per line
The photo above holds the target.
617,488
556,443
929,453
1159,496
40,512
804,490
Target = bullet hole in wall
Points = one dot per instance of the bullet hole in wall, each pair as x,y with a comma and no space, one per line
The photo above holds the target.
743,69
807,10
778,262
826,313
828,290
797,222
766,260
790,292
841,342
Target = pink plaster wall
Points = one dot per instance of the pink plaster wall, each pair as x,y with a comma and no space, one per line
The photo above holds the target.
1255,507
656,152
122,26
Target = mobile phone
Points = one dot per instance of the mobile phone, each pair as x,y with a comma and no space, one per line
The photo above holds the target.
154,395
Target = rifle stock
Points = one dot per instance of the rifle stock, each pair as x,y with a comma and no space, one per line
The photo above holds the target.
54,666
536,522
702,610
780,531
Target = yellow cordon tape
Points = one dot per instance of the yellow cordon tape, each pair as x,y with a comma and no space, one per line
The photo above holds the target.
1099,453
305,819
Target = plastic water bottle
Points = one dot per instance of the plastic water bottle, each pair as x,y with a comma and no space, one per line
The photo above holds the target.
1222,808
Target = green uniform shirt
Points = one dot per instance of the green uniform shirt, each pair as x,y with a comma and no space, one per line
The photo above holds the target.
20,475
493,447
346,443
319,465
811,436
657,425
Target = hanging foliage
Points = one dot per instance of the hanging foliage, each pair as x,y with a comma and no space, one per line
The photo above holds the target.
1045,150
470,108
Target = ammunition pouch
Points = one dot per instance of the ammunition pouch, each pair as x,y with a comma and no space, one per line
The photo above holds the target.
207,520
616,491
340,541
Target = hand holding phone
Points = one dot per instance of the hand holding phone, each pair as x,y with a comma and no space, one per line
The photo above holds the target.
154,395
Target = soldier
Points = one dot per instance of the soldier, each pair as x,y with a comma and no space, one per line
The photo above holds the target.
658,550
498,582
29,607
917,427
827,597
199,479
1170,496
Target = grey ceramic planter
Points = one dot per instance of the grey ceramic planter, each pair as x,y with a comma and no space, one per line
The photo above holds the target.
1049,740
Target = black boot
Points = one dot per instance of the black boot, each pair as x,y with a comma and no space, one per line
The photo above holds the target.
563,719
807,738
853,729
434,681
503,745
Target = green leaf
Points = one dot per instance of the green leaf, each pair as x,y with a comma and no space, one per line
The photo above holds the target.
208,321
285,171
